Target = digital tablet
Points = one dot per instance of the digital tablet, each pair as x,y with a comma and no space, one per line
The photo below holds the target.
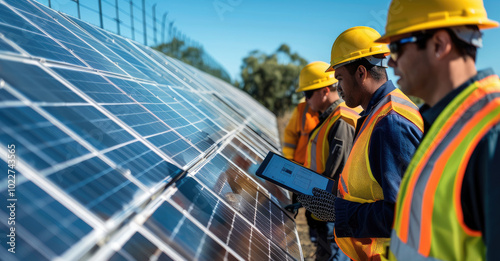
292,176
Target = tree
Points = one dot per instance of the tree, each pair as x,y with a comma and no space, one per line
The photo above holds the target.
272,79
194,56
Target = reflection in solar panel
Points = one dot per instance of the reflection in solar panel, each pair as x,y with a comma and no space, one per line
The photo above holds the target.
113,151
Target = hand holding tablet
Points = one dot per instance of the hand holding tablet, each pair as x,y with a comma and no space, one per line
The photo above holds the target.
292,176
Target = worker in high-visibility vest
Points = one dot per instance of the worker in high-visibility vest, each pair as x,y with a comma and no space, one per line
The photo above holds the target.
387,135
296,136
448,205
329,143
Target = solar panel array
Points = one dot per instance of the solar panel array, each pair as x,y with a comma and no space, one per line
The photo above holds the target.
117,152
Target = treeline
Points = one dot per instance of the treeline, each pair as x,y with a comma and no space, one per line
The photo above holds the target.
193,55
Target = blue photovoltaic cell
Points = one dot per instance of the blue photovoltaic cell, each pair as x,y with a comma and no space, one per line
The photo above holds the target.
206,108
143,163
223,221
31,39
139,248
44,228
134,90
94,85
6,47
93,126
40,86
72,42
6,96
97,186
249,161
39,142
183,235
99,46
123,51
141,120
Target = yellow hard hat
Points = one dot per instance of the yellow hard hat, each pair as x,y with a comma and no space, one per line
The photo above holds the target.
406,16
355,43
313,76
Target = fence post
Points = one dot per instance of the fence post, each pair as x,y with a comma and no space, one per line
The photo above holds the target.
132,18
100,14
154,24
144,22
164,19
117,17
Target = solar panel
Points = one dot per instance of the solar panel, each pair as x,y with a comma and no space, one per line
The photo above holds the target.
118,152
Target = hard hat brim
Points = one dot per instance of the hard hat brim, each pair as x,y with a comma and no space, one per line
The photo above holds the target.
482,24
330,69
317,85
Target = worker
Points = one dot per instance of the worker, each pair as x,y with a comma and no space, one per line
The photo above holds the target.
296,136
387,135
447,208
329,143
302,122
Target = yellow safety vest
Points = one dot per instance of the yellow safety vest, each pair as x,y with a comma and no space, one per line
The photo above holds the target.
429,221
318,148
297,131
357,183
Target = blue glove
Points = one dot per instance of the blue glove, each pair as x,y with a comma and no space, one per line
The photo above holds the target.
322,204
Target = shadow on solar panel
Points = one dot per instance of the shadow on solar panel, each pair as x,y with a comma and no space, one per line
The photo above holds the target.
113,151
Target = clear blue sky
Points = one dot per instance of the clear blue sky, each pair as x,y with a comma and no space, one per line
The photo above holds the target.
230,29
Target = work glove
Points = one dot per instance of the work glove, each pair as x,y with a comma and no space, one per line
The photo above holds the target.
294,208
322,204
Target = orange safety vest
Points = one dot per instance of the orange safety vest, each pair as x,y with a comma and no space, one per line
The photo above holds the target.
429,220
357,183
318,148
302,122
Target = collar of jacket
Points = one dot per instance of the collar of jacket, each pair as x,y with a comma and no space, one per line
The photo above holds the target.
330,109
430,114
378,95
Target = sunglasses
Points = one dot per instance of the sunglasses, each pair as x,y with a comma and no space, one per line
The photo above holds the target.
310,93
396,46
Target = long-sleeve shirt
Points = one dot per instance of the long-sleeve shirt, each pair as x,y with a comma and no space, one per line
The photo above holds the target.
480,194
340,140
393,142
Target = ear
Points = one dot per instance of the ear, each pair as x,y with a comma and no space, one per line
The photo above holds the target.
441,45
325,91
361,74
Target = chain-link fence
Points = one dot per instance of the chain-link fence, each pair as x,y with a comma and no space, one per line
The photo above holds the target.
139,20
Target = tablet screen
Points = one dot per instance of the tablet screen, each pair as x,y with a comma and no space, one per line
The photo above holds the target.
292,176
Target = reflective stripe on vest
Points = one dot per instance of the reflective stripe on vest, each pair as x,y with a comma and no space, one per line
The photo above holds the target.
428,218
357,182
318,148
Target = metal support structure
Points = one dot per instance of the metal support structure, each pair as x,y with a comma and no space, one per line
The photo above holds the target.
117,17
50,4
154,24
164,20
100,14
145,28
132,18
